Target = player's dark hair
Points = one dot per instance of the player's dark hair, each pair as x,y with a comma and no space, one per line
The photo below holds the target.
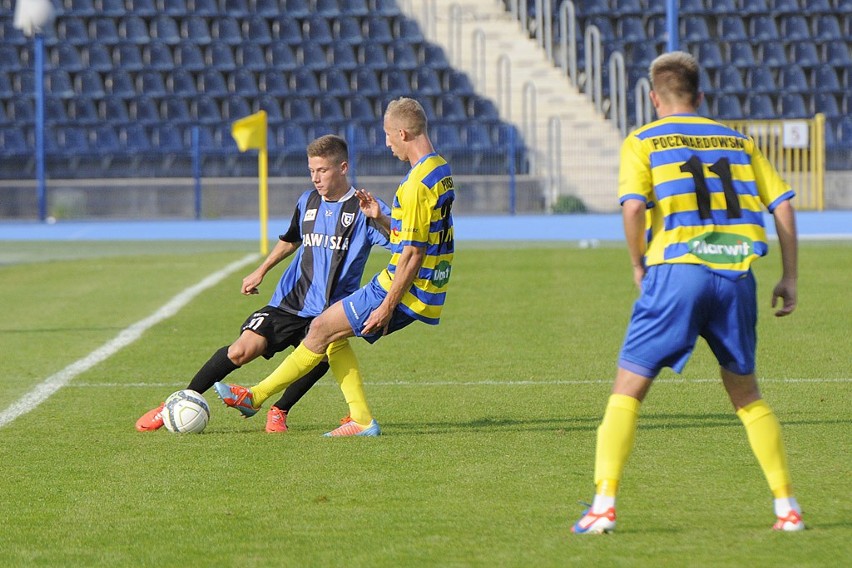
329,146
674,77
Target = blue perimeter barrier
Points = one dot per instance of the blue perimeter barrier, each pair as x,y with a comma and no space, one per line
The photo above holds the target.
825,225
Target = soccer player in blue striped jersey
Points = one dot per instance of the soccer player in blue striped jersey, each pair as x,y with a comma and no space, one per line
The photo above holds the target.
692,193
412,287
330,236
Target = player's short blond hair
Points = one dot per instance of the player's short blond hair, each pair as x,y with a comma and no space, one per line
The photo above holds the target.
408,114
674,77
329,146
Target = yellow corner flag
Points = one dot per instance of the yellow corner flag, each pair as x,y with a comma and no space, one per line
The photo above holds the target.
250,133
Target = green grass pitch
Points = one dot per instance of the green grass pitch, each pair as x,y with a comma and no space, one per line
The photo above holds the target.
489,423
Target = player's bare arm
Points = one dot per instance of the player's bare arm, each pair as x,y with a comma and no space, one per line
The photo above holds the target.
282,250
785,226
633,214
371,209
407,268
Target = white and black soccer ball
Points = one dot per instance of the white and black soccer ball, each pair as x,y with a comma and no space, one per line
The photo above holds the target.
185,411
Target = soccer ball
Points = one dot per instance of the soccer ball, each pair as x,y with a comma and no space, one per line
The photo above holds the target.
185,411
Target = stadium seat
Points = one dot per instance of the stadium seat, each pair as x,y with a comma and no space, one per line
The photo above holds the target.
54,110
773,54
226,30
655,26
587,8
753,7
304,82
448,138
195,29
792,80
760,79
342,56
387,8
333,81
188,56
13,142
21,110
723,7
348,30
761,107
250,56
731,28
622,8
328,108
691,7
827,28
317,30
604,25
242,82
83,111
794,28
83,8
705,84
10,35
703,107
151,83
729,80
826,80
134,138
165,29
175,110
174,7
103,30
291,138
235,107
235,7
372,55
844,131
128,56
402,55
158,55
167,138
65,56
425,81
205,110
298,110
709,54
483,109
273,82
377,28
792,105
133,29
359,108
326,8
113,110
9,60
281,57
365,82
740,54
826,103
642,54
297,8
96,57
836,54
272,107
72,140
692,28
212,83
805,54
311,56
119,83
6,90
256,29
287,30
220,56
729,107
354,7
457,82
110,8
88,83
763,28
631,29
395,81
780,7
451,108
409,30
268,8
57,83
433,55
143,110
142,7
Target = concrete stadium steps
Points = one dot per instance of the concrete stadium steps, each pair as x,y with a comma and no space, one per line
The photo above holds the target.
589,143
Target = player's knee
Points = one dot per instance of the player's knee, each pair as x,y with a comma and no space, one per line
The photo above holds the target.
240,355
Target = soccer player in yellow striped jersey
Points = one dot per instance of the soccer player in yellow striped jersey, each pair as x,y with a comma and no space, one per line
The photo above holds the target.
411,288
692,193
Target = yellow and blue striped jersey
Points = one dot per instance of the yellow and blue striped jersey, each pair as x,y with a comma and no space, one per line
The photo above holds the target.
704,185
421,216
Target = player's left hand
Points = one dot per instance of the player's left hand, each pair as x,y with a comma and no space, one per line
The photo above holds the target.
786,291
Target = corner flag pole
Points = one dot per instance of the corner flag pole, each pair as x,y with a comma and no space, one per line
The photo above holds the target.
250,132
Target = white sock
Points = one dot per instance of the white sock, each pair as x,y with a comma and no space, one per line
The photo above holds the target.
602,503
784,505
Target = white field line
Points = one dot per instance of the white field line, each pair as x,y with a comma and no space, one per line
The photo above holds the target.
53,383
162,385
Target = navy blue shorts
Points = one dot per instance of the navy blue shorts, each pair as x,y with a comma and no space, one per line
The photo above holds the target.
360,304
680,302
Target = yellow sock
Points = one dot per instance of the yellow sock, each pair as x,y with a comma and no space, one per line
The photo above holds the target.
295,366
764,436
615,441
344,365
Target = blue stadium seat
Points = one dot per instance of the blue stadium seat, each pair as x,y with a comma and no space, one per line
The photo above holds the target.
703,108
88,84
142,7
761,107
334,81
425,81
705,84
792,105
622,8
731,28
83,111
72,140
354,7
226,30
235,7
287,30
836,54
586,8
242,82
96,57
451,108
827,28
763,28
753,7
740,54
317,30
143,110
134,138
256,29
304,82
457,82
365,82
250,56
641,55
433,55
729,107
342,56
23,82
723,7
402,55
175,110
691,7
372,55
211,82
133,29
203,7
235,107
10,35
408,30
328,108
21,109
693,28
297,8
780,7
655,26
483,109
377,28
268,8
794,28
165,29
167,138
151,83
205,110
792,80
111,8
359,108
804,54
395,81
9,60
281,57
826,103
604,25
220,56
119,83
631,29
128,56
844,131
312,56
729,80
326,8
812,7
273,82
773,54
387,8
272,107
13,143
760,79
188,56
84,8
103,30
174,7
710,55
5,88
57,82
298,110
113,110
447,138
54,110
826,80
347,29
157,55
195,29
66,56
291,138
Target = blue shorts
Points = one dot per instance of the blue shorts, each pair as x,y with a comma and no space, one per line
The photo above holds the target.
678,303
360,304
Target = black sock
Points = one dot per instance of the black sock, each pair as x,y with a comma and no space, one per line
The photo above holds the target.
215,369
297,390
